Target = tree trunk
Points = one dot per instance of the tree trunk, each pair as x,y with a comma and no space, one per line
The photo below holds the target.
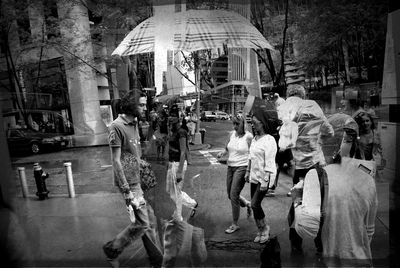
281,75
15,84
271,64
132,73
358,54
345,50
323,76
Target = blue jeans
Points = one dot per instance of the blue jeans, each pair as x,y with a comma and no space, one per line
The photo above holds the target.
145,227
257,197
234,184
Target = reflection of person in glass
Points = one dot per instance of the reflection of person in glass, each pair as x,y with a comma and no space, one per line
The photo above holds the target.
191,119
370,141
179,155
124,141
349,206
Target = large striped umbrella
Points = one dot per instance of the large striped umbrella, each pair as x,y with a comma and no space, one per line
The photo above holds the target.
195,30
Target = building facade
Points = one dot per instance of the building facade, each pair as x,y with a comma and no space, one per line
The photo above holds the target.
49,75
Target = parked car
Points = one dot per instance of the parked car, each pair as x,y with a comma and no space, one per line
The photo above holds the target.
222,115
34,142
208,116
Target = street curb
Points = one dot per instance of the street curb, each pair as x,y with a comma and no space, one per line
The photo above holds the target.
204,146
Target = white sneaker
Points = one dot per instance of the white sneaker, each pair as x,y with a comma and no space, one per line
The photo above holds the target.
233,228
265,235
258,238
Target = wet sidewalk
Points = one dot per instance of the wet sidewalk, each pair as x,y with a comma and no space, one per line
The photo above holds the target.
70,232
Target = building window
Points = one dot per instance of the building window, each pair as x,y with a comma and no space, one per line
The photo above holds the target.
51,19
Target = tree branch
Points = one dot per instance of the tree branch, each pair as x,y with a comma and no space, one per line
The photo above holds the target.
184,75
263,60
85,62
281,71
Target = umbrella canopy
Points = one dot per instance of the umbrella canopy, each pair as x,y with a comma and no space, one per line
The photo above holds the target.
196,30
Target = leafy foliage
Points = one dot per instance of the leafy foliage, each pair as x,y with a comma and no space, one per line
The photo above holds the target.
325,26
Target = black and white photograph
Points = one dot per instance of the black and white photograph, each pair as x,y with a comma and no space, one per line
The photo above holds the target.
199,133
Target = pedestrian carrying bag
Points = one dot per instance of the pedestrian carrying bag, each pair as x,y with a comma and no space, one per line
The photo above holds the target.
184,243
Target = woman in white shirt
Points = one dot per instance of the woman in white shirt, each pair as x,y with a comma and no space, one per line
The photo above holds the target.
237,148
261,170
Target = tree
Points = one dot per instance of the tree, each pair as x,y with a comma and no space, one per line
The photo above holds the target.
334,35
272,20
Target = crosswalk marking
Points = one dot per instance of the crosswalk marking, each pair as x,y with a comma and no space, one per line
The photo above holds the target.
210,157
216,150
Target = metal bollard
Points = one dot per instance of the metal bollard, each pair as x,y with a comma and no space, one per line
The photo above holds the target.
22,179
70,179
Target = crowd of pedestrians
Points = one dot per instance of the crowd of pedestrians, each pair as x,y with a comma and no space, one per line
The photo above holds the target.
318,195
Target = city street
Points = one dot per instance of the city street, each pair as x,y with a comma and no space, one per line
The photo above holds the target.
66,232
68,69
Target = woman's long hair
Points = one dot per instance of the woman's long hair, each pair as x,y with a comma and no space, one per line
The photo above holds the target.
269,125
238,119
184,124
359,120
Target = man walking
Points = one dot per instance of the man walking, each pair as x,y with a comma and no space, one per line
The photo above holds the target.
307,151
124,143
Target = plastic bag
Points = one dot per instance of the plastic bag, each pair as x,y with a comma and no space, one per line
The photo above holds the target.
288,133
184,244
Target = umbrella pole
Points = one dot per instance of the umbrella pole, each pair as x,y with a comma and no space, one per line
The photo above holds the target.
197,135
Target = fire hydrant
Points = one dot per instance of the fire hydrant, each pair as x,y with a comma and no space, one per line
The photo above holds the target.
40,177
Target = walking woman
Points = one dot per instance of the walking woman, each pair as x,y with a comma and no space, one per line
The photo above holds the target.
237,148
370,141
161,134
261,169
178,156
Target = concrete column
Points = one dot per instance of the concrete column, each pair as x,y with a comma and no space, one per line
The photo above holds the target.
390,137
36,19
122,80
100,52
164,23
82,85
251,59
254,89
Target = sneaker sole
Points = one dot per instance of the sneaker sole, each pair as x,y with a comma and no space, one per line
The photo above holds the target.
231,231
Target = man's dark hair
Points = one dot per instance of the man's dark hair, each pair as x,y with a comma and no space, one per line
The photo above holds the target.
128,104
